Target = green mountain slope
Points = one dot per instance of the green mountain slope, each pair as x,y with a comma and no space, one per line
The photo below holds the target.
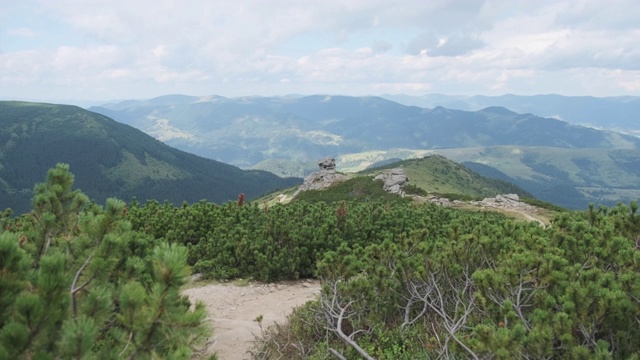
439,175
109,159
435,175
570,178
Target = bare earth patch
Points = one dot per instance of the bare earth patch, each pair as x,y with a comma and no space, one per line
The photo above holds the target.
233,309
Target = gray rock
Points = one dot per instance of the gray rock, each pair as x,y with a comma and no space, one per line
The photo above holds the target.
323,178
441,201
327,164
505,201
394,181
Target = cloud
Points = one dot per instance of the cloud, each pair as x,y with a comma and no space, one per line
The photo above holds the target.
143,48
421,43
22,32
381,46
456,46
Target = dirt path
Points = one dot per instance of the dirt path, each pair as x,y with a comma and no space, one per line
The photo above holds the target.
529,217
232,310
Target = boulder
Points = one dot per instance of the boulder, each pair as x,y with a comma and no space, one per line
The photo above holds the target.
512,197
394,181
505,201
323,178
327,164
441,201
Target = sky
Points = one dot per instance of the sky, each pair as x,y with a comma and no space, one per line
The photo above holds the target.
97,50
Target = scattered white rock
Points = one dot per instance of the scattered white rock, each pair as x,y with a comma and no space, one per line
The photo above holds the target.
505,201
441,201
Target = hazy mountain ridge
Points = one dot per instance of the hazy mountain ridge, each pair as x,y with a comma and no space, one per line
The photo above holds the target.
619,112
245,131
109,159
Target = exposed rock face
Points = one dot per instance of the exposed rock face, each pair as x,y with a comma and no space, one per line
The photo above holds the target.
505,201
441,201
394,181
323,178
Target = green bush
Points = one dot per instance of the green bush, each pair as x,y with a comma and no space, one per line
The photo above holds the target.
77,282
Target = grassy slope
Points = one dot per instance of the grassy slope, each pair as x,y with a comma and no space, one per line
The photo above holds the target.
439,175
583,175
434,174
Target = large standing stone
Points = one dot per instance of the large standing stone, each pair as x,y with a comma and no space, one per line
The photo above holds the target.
327,164
323,178
394,181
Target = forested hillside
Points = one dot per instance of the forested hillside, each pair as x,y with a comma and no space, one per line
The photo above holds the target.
401,280
404,281
109,159
465,285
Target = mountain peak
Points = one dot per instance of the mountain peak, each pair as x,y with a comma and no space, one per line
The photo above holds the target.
498,110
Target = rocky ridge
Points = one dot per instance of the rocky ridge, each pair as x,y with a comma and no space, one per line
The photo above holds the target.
505,201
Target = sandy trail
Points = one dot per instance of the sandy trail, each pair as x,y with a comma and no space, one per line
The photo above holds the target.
232,309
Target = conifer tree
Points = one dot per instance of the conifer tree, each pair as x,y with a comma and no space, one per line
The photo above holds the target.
77,282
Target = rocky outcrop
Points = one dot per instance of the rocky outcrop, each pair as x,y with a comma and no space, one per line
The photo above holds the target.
505,201
323,178
442,200
394,181
511,202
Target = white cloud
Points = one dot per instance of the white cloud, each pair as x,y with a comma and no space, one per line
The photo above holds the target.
146,48
21,32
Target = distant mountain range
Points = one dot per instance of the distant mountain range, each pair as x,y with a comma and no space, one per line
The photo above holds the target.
110,159
246,131
620,112
564,163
